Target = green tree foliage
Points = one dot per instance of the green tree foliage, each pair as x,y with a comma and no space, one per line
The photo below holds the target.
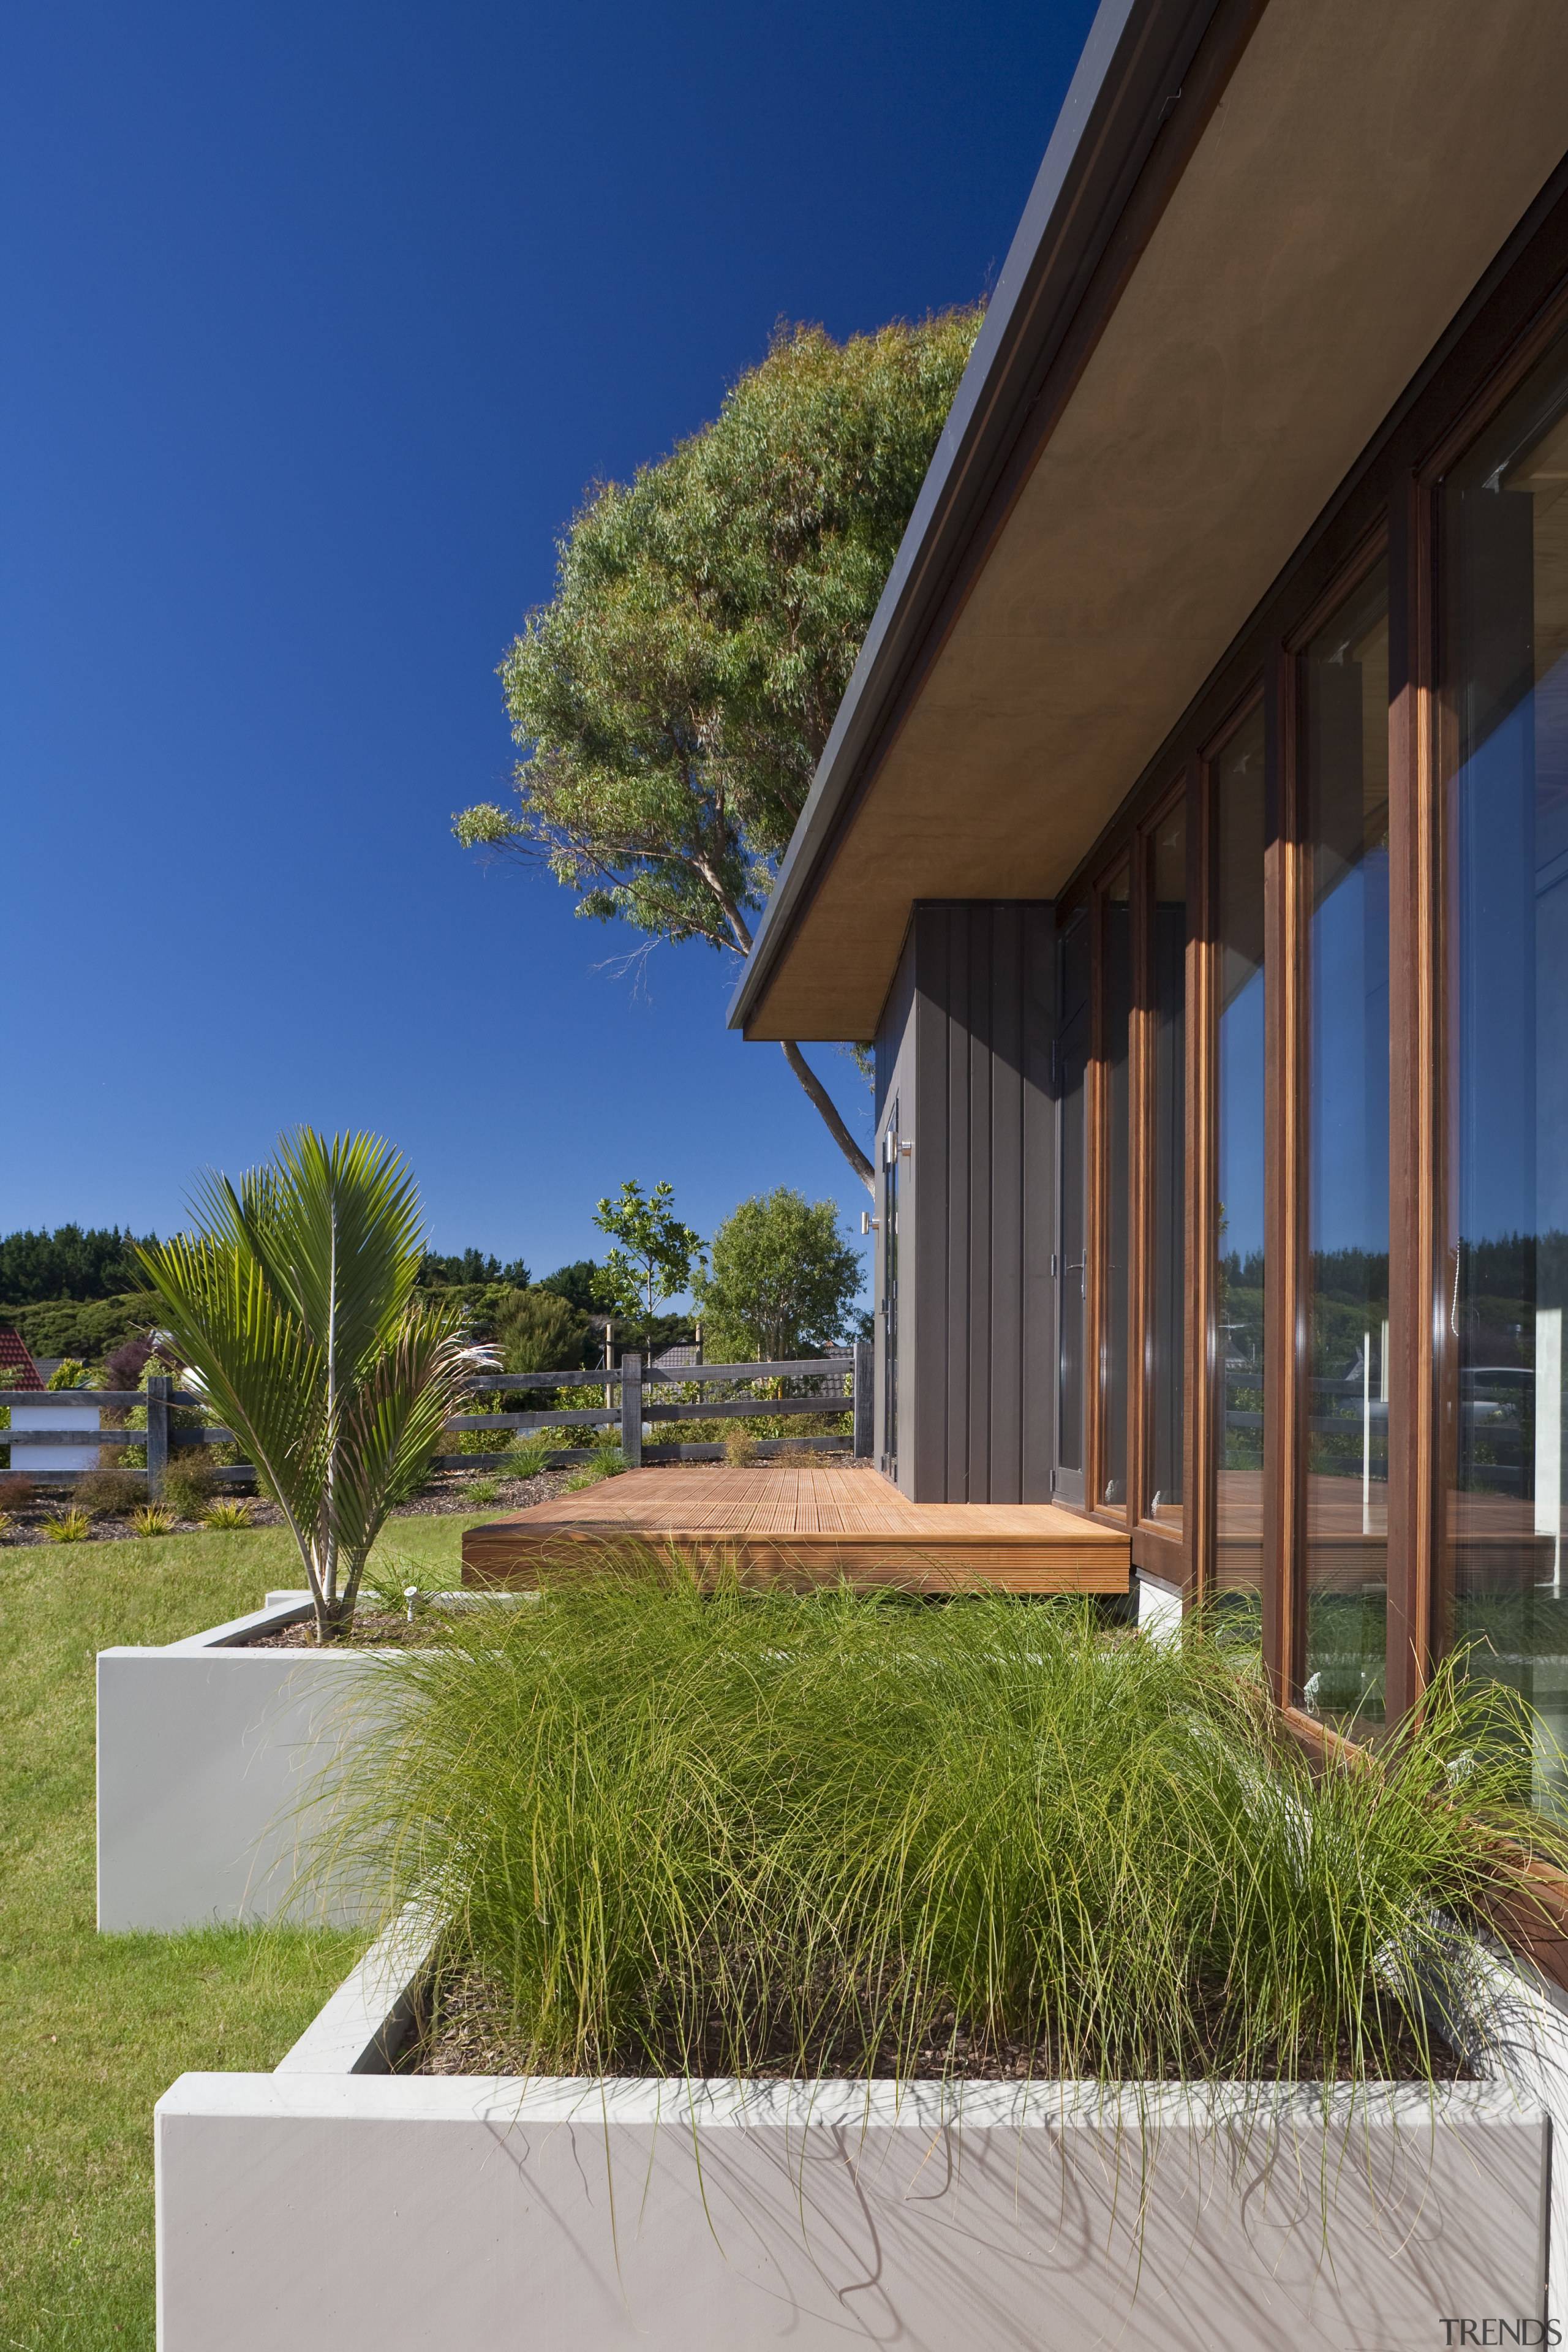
652,1258
673,700
294,1307
69,1262
782,1282
470,1265
539,1331
574,1282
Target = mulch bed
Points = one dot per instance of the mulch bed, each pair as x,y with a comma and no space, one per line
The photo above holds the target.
449,1492
469,2031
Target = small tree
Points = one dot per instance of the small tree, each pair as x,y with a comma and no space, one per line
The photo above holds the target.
783,1281
294,1308
652,1259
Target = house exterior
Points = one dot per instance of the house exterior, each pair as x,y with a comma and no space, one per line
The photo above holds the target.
1193,841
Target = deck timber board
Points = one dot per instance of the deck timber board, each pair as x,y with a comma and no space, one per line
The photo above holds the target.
800,1525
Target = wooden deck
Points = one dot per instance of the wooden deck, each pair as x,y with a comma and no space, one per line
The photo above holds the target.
799,1524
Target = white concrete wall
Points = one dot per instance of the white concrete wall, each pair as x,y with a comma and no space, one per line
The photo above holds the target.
329,2211
208,1754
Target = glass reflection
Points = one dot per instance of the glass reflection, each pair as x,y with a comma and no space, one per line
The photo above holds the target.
1239,1069
1505,668
1168,1286
1344,1404
1116,1026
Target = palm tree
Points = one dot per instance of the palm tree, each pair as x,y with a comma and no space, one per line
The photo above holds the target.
294,1306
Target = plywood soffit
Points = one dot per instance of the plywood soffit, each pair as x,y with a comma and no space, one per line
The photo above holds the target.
1361,172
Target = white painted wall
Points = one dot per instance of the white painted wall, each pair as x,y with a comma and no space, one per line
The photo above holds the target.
206,1755
33,1412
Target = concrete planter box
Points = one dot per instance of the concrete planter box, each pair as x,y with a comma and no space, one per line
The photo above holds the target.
206,1752
333,2205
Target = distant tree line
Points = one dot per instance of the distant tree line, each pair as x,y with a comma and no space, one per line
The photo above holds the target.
71,1263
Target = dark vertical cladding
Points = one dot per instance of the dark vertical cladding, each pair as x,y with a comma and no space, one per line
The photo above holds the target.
965,1050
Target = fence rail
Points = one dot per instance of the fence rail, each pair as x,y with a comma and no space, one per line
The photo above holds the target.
631,1414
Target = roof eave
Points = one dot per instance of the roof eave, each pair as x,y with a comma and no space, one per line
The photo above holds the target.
1126,83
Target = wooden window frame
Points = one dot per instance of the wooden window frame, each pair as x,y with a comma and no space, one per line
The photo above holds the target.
1156,1551
1204,1414
1119,1516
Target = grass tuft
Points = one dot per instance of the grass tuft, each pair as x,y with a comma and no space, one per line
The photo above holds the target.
226,1516
73,1526
689,1829
608,1463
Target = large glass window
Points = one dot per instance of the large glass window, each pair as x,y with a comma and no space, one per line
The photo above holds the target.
1167,1300
1116,1021
1238,807
1504,578
1345,1398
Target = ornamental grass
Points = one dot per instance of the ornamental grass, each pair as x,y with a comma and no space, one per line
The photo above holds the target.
673,1826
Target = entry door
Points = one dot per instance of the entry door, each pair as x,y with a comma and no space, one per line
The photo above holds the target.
1072,1209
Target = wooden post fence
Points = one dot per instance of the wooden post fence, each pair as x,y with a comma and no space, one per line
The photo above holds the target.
631,1410
864,1402
160,1388
645,1397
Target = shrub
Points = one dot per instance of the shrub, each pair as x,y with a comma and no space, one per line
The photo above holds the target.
16,1491
152,1519
539,1331
70,1373
188,1481
740,1447
124,1367
71,1527
225,1515
107,1492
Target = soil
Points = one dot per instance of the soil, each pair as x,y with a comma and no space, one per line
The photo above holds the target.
448,1492
469,2031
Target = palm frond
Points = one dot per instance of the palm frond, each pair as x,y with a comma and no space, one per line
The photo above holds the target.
391,1423
256,1364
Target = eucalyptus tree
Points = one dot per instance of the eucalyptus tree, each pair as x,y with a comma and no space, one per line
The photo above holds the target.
672,700
295,1304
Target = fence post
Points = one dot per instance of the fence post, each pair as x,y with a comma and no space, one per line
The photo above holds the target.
631,1410
864,1402
158,1387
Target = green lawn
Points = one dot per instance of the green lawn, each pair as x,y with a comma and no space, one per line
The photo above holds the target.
97,2026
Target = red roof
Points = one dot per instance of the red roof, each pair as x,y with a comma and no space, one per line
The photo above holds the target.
14,1357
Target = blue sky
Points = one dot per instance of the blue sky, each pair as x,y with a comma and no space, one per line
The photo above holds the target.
318,321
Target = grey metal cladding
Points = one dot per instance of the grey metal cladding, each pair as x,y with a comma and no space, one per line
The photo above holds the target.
975,1101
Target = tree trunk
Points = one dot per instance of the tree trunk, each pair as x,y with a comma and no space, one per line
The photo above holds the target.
831,1119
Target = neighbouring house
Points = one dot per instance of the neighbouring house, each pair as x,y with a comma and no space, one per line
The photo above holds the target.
16,1359
1193,841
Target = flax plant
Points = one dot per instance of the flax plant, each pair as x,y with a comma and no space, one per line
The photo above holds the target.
682,1828
294,1307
